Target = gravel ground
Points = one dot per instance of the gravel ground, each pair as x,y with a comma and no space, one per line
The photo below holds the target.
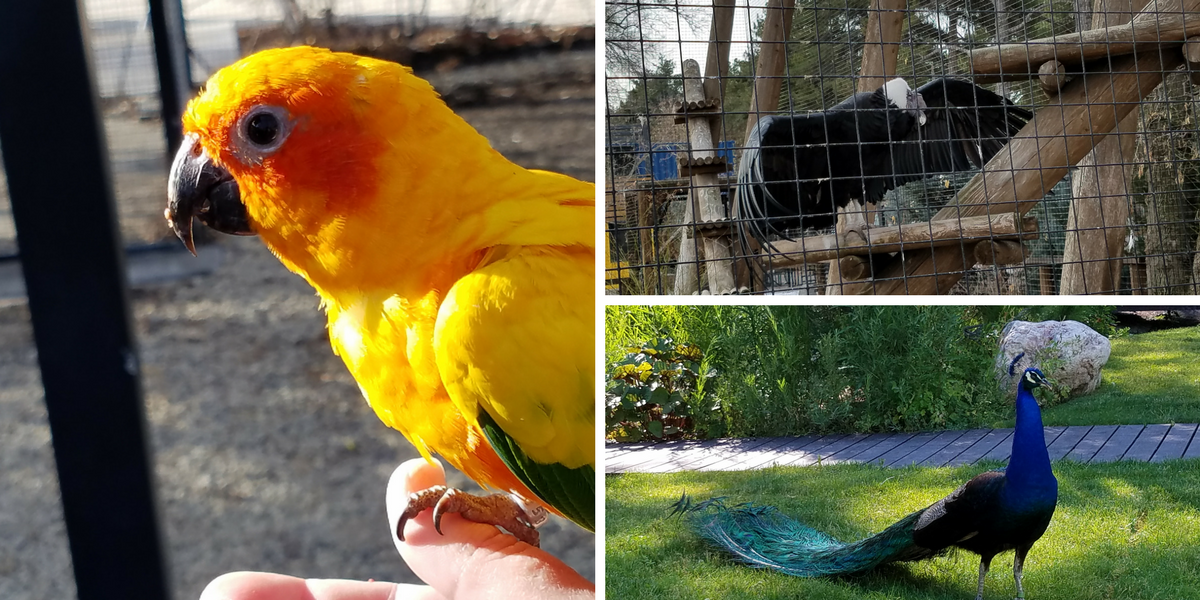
265,454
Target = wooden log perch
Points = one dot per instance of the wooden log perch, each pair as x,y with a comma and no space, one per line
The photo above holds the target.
999,252
1161,23
853,268
909,237
1052,75
1038,157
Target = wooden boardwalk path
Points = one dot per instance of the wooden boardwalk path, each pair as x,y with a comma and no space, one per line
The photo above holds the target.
1099,443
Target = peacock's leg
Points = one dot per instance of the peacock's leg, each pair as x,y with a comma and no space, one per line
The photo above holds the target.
985,562
1018,568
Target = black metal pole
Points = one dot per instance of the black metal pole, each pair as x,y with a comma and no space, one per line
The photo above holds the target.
174,69
62,203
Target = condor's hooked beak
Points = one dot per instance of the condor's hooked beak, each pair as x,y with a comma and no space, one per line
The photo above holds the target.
199,188
916,104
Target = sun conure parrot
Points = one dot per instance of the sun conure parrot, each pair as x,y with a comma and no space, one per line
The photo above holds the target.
459,286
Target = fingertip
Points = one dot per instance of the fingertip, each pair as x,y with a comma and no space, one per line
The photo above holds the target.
248,585
411,476
245,584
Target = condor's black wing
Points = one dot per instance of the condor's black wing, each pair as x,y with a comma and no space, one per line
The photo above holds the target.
791,164
965,127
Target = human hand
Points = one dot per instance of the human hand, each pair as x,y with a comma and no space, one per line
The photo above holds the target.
471,561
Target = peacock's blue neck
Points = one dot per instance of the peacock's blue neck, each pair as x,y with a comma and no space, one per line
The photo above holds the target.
1029,475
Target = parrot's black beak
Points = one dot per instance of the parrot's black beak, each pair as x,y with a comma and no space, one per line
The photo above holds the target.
199,188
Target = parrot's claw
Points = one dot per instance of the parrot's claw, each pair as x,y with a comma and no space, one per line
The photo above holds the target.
500,510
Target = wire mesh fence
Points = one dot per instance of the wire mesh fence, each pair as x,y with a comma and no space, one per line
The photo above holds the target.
762,147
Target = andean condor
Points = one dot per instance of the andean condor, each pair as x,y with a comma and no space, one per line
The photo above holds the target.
796,169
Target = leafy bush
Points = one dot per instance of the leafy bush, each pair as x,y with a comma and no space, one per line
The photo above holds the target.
789,370
653,390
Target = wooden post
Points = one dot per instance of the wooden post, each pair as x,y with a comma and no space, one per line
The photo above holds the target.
704,197
764,98
881,46
772,56
1046,280
716,67
645,224
1036,159
1137,277
687,273
1099,194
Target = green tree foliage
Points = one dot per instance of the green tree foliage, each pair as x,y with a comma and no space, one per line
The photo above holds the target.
650,93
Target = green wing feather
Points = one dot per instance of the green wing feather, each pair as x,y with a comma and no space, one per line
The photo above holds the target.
571,492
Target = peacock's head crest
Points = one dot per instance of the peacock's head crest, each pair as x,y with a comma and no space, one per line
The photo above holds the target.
1031,378
1012,366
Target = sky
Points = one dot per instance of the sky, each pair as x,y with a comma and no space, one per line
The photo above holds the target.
573,12
676,40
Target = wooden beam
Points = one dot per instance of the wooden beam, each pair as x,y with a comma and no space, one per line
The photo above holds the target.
1037,158
1161,23
908,237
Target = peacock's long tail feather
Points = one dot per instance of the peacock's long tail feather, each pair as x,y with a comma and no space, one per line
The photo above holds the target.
764,537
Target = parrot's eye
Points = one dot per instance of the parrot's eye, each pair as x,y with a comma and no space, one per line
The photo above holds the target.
262,131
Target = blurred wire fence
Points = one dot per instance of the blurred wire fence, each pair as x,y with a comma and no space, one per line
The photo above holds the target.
272,460
1047,215
441,40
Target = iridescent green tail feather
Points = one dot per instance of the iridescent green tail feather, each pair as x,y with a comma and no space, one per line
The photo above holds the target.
764,537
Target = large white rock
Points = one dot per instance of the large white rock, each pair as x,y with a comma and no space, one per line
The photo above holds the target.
1069,353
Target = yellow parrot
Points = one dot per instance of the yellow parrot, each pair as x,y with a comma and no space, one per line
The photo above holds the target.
459,286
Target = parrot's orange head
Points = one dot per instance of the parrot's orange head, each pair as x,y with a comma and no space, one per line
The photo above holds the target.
289,140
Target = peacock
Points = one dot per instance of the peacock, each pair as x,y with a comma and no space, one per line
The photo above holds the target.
996,511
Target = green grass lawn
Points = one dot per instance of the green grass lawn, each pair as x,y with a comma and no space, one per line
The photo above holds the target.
1149,378
1122,530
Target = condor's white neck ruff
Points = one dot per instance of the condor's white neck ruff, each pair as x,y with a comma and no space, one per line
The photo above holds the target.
896,91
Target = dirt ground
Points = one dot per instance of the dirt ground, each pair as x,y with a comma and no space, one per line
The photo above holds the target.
266,456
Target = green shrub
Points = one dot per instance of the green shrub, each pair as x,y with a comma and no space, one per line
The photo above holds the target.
789,370
651,391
